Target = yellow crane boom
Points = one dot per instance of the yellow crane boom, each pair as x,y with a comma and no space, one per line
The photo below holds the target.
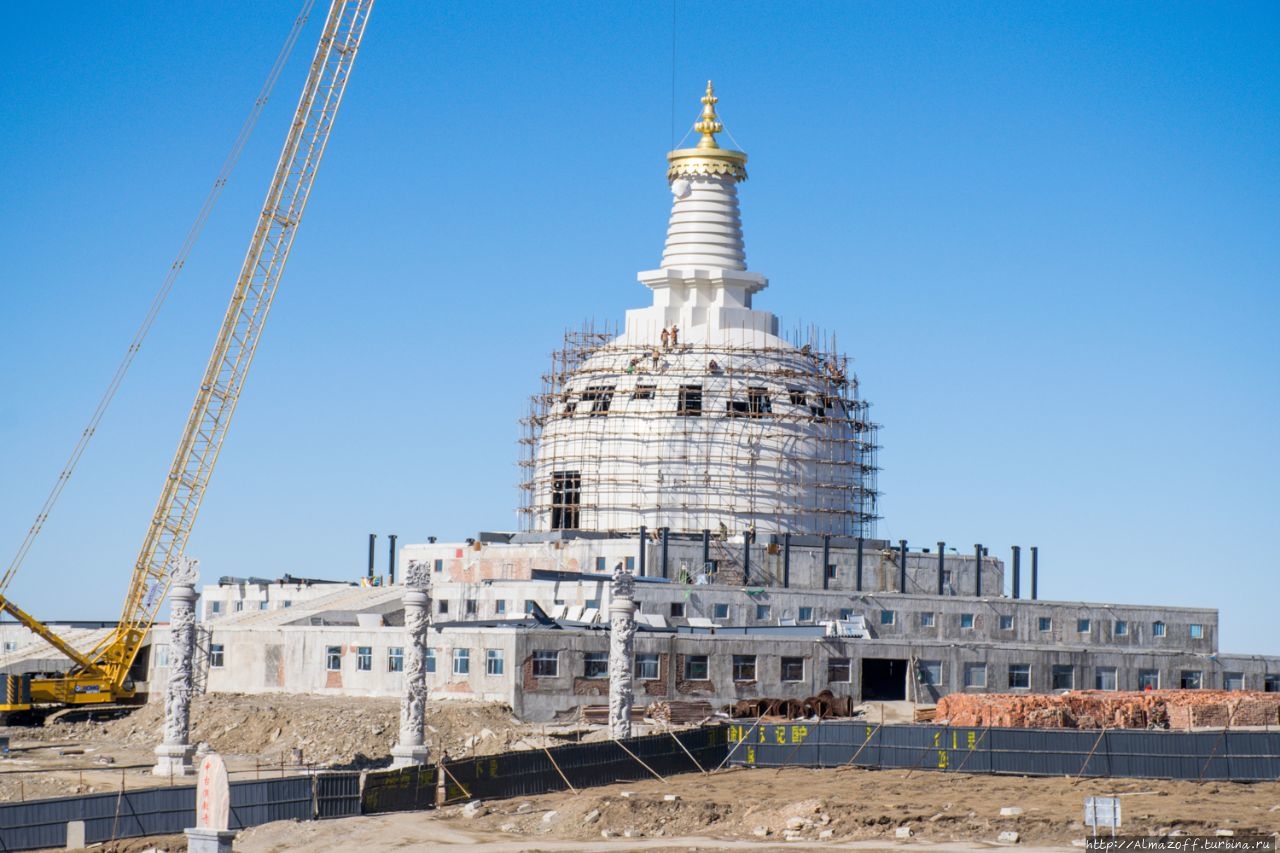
101,675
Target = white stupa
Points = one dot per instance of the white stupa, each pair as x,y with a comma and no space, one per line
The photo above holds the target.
698,416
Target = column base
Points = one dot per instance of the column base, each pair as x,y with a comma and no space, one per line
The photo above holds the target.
408,756
201,840
174,760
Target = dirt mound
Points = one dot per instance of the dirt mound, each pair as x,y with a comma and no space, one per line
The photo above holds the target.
1095,709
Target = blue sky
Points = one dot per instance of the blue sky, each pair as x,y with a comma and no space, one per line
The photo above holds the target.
1046,233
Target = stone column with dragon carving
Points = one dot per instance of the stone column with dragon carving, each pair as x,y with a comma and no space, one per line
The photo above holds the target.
411,748
173,756
622,632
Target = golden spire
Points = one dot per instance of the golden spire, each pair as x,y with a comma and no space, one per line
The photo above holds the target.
709,126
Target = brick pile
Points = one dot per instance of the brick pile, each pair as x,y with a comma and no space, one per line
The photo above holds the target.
1093,709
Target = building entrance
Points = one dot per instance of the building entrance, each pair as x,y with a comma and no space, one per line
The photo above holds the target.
884,679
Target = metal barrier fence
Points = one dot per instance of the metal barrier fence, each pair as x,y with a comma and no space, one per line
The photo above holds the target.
1239,756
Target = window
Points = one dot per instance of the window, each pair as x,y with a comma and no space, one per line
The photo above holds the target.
566,497
500,607
546,663
646,667
215,607
793,669
975,675
720,611
262,605
806,614
530,605
1271,684
159,652
690,401
1197,631
831,571
333,658
631,565
439,566
1191,679
1083,626
395,659
736,408
758,401
677,608
364,658
462,661
1006,622
1122,628
443,606
286,603
796,396
1157,629
431,660
762,612
930,672
1233,681
493,662
239,606
1019,676
695,668
644,392
887,617
744,667
600,397
846,613
839,670
1045,624
217,655
1063,677
470,606
927,620
595,665
1148,679
966,620
601,565
1104,678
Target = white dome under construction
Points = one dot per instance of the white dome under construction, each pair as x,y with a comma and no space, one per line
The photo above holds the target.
698,416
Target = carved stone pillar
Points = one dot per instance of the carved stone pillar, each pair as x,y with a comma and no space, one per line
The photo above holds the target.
173,756
411,748
622,632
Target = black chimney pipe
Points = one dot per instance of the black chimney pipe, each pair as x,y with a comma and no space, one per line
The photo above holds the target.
666,535
942,564
977,570
746,556
1035,572
1017,571
706,548
826,561
373,538
902,565
643,542
391,562
857,580
786,559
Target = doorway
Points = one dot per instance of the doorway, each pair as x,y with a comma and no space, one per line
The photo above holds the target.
884,679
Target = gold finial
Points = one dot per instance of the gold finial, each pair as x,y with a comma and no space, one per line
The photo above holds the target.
708,126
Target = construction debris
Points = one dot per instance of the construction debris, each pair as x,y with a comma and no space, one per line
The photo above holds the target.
675,713
1097,709
823,706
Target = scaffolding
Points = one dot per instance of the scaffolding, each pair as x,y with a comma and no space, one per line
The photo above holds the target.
771,437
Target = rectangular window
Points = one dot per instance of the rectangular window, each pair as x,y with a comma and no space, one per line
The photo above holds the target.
1157,629
758,401
442,606
930,672
1019,676
1104,678
601,565
831,571
644,392
1122,628
744,667
1045,624
647,667
546,663
431,660
927,620
690,401
215,607
470,606
439,566
720,610
677,609
364,658
806,614
1148,679
159,652
1197,631
975,675
762,612
796,396
839,670
1192,679
1083,626
695,668
239,606
846,613
1006,622
395,659
1233,681
736,408
286,603
262,605
600,397
500,607
595,665
631,564
1271,684
493,662
217,655
333,658
1064,677
887,617
793,669
462,661
529,605
566,498
966,621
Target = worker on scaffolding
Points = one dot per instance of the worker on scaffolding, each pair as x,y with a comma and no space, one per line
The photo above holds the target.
675,335
666,338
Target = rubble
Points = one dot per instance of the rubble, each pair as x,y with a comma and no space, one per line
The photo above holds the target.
1096,709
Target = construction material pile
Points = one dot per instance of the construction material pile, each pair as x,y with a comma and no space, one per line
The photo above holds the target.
819,707
678,713
1096,709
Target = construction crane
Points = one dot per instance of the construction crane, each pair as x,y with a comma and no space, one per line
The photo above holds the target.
101,675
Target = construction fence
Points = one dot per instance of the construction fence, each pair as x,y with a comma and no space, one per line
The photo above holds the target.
1225,755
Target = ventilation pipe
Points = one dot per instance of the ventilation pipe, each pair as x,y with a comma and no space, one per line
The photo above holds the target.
1035,572
857,579
1017,571
826,561
666,537
644,534
977,570
746,556
706,548
786,559
902,565
942,565
373,539
391,562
